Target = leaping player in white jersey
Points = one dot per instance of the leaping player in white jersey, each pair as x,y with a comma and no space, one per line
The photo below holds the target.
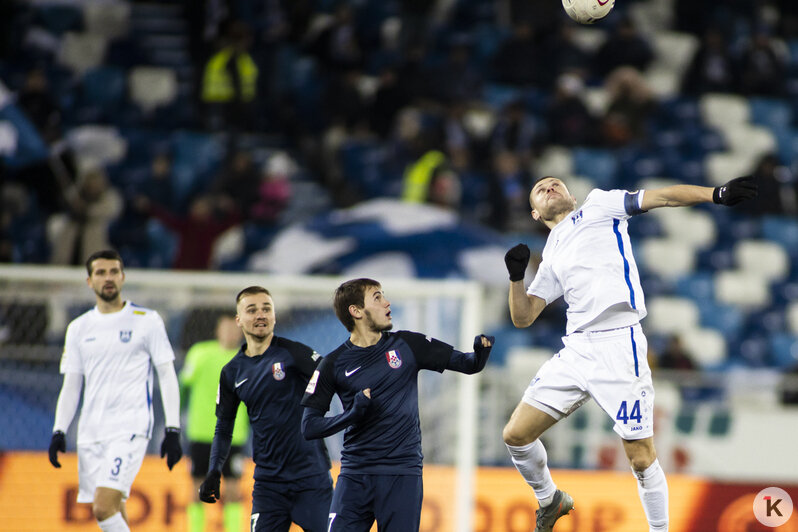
112,348
588,260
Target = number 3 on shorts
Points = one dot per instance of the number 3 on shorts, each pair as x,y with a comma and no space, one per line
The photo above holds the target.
633,415
332,518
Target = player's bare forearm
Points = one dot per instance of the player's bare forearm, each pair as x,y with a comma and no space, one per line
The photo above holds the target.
524,309
676,196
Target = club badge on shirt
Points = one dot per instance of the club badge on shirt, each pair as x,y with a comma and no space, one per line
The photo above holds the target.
277,371
394,360
125,336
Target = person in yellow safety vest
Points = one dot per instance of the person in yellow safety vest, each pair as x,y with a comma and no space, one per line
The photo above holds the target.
230,80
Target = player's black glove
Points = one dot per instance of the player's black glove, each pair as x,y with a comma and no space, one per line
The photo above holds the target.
209,489
516,260
170,447
479,349
735,191
57,443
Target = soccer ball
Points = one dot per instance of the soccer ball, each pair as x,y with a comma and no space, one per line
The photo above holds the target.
588,11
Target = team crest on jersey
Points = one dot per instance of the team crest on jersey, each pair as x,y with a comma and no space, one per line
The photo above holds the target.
277,371
125,336
394,360
576,218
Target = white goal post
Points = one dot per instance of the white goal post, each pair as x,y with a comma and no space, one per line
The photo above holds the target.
45,298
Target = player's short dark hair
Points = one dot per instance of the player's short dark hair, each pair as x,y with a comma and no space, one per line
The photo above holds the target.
351,293
251,290
108,254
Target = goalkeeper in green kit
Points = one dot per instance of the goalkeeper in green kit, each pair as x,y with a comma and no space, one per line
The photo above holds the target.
199,383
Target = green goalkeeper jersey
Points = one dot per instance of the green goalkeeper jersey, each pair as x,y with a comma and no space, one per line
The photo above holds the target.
199,379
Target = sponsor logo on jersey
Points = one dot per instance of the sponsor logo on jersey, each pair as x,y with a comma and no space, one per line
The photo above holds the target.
239,383
394,360
139,312
350,372
315,356
277,371
312,382
90,339
125,336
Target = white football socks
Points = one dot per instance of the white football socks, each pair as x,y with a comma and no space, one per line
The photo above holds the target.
653,490
530,461
115,523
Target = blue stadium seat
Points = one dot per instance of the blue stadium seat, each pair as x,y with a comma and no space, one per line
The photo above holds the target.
597,164
59,18
102,93
770,112
784,350
699,286
497,96
197,156
783,230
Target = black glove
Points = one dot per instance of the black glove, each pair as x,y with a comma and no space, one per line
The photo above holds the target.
479,349
170,447
735,191
57,443
516,260
209,489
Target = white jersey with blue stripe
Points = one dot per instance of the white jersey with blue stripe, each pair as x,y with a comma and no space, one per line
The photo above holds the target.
115,353
588,260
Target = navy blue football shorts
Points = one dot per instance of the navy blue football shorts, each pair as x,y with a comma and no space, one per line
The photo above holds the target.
306,502
393,500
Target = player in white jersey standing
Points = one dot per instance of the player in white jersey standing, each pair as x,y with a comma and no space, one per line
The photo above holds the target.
112,349
588,260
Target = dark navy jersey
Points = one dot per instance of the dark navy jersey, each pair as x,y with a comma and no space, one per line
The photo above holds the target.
388,439
271,386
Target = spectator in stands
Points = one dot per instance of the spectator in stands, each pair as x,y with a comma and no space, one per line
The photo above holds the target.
515,131
83,228
568,120
712,68
235,188
199,381
631,104
229,85
675,356
624,47
197,232
519,60
508,193
457,78
345,106
777,189
762,65
456,136
388,100
445,188
337,46
274,190
37,102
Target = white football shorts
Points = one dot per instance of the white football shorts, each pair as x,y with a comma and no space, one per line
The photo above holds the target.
109,464
609,366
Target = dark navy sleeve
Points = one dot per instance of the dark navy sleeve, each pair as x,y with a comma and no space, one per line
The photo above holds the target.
321,387
226,407
631,203
226,399
429,352
315,425
305,358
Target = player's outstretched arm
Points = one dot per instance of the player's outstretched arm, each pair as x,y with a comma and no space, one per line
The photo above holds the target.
730,194
315,425
470,363
170,396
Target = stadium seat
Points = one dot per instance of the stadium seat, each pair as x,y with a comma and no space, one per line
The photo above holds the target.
103,88
754,141
792,317
696,285
773,113
597,164
669,315
727,319
784,350
742,288
152,87
783,230
555,161
95,144
81,51
691,226
707,346
724,110
762,258
669,258
108,19
722,166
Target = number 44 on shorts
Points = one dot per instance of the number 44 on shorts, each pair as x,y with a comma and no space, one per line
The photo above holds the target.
634,415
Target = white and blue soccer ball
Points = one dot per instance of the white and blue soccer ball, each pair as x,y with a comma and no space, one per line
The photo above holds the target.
588,11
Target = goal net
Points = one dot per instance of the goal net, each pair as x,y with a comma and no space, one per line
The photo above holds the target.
38,302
